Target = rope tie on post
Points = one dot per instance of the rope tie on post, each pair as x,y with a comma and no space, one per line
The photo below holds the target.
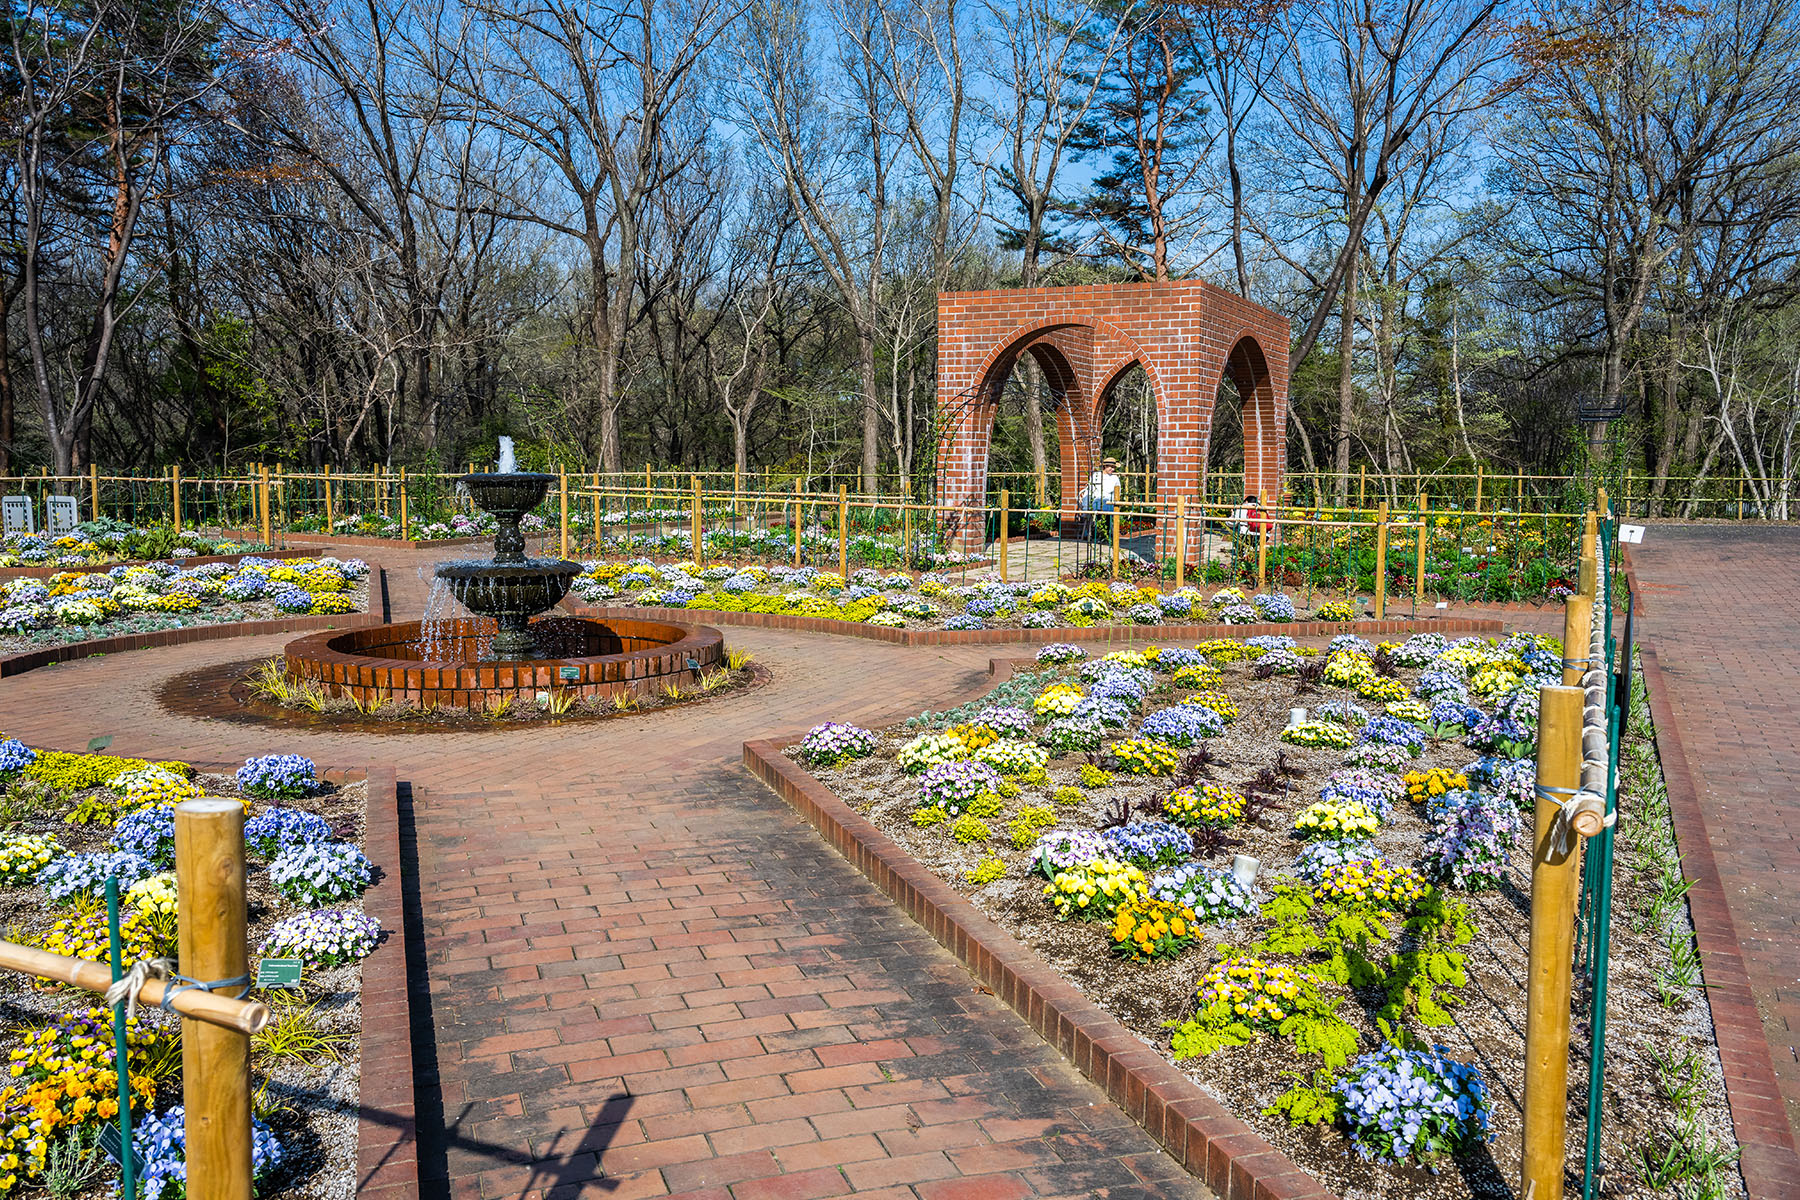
126,988
1582,802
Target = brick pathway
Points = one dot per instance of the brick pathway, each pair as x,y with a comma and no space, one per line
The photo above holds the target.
1718,604
646,976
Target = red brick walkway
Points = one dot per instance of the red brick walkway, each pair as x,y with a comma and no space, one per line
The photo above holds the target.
647,976
1718,605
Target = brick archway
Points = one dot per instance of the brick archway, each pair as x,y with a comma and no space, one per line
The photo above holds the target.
1186,336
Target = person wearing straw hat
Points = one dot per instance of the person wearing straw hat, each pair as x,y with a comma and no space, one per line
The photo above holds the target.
1100,494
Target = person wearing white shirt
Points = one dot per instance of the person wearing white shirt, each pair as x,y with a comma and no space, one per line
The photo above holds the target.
1101,493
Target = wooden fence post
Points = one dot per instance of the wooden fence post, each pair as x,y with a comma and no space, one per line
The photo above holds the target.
1118,518
94,491
1362,486
797,520
906,534
1419,566
175,493
1381,536
696,531
328,513
597,542
562,505
380,489
265,508
844,532
1479,469
1578,620
405,524
1005,503
215,1062
1554,878
1262,554
1180,542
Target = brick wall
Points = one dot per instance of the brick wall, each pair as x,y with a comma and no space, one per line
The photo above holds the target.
1185,335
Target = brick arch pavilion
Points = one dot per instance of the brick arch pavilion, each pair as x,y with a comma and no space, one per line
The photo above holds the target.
1185,335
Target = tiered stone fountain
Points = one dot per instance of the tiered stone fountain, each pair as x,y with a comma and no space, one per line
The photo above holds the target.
468,661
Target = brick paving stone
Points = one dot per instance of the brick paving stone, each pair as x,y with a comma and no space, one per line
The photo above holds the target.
1717,604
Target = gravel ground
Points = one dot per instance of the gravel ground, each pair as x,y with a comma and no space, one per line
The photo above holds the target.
1488,1028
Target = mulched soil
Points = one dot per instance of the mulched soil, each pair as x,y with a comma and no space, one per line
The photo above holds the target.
312,1109
1488,1029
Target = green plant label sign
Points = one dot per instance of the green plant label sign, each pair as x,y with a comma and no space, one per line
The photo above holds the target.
569,674
278,972
114,1147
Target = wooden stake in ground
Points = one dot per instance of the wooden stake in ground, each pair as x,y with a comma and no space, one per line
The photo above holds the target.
562,505
175,494
406,527
697,532
1554,881
1180,542
94,491
844,532
1381,536
1419,566
1118,516
1578,619
797,521
1005,504
265,507
215,1062
1262,554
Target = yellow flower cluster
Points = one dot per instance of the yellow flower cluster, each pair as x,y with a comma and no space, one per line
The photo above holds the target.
313,578
23,855
1133,658
1219,702
83,935
1057,700
1416,711
1198,676
1371,881
1347,668
325,602
1032,820
1146,756
1225,650
62,1078
60,769
1146,930
1326,818
1494,679
1096,889
1257,993
1208,804
1317,734
974,736
1423,785
1335,610
145,786
1381,688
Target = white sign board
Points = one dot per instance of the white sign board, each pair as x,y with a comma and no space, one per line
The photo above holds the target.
16,515
61,515
1631,533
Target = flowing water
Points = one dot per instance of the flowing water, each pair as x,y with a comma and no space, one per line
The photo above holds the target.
444,624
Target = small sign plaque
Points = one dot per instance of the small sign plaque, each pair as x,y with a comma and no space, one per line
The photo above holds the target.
1631,533
569,674
96,745
115,1149
16,515
278,972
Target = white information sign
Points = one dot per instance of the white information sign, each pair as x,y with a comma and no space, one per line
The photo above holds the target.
16,515
61,515
1631,533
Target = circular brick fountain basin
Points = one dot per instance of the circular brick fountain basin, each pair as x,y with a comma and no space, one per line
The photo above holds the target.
593,658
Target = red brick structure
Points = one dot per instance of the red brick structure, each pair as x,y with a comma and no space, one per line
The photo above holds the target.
1185,336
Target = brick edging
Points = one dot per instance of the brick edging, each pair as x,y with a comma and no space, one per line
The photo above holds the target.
31,660
1768,1158
1197,1131
387,1155
1093,633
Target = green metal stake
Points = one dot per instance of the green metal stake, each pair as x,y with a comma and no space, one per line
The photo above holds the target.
121,1059
1602,944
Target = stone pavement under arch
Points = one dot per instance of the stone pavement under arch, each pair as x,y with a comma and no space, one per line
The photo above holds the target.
646,975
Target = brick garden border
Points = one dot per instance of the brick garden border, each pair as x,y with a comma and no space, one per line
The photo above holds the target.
1193,1128
1768,1158
1093,633
372,614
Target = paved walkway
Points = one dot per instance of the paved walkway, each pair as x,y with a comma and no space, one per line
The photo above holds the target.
648,977
1720,606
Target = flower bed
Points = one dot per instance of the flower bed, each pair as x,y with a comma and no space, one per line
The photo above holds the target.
102,543
1385,894
72,819
897,600
77,606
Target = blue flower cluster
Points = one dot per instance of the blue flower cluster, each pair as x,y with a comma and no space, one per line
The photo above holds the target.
325,937
1214,895
1061,849
986,606
1375,799
1177,657
1420,649
963,621
274,830
148,833
1144,614
1120,685
1441,683
1037,620
1319,857
1237,614
1453,716
1392,731
1277,607
1183,724
1175,604
15,756
1071,735
319,872
1349,641
293,600
85,874
1470,836
1265,642
1343,712
1007,721
278,776
1148,843
1508,736
162,1143
1403,1105
1521,705
1514,778
1061,652
952,785
246,585
835,742
1107,710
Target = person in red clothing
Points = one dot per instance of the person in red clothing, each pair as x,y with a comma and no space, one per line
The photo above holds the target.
1251,520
